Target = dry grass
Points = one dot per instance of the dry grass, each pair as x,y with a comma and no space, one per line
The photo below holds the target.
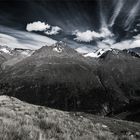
22,121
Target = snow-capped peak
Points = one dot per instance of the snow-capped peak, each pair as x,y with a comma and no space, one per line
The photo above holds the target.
15,51
91,52
5,49
95,54
25,52
58,49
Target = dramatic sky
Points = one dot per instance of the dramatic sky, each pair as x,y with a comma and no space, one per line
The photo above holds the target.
81,23
66,13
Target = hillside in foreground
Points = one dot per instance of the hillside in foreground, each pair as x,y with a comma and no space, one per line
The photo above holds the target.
23,121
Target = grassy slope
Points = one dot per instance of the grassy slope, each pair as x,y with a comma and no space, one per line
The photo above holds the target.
22,121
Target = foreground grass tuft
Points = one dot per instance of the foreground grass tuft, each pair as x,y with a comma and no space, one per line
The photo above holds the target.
22,121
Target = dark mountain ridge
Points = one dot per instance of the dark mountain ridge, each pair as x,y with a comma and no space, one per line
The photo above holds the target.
59,77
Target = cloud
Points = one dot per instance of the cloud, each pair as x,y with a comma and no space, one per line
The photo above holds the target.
20,39
105,39
126,44
118,8
89,35
138,25
84,50
132,15
37,26
106,33
43,27
53,31
109,43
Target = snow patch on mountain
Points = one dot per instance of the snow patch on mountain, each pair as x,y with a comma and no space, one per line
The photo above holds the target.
95,54
5,50
15,51
23,52
26,53
59,50
88,52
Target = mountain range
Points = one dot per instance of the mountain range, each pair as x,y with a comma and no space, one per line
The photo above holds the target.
60,77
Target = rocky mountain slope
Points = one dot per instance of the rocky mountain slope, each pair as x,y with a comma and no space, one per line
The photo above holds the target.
58,76
54,76
19,120
9,57
119,71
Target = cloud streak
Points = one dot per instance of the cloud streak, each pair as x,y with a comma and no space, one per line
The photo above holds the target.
132,15
21,39
118,8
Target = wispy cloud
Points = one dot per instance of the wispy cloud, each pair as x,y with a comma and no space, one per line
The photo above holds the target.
20,39
118,8
132,15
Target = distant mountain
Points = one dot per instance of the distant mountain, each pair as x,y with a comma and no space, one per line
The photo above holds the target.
10,56
120,71
58,76
53,75
5,53
98,53
136,50
123,68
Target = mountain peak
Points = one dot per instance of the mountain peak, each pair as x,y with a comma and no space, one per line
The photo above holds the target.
15,51
95,54
6,50
115,53
60,49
